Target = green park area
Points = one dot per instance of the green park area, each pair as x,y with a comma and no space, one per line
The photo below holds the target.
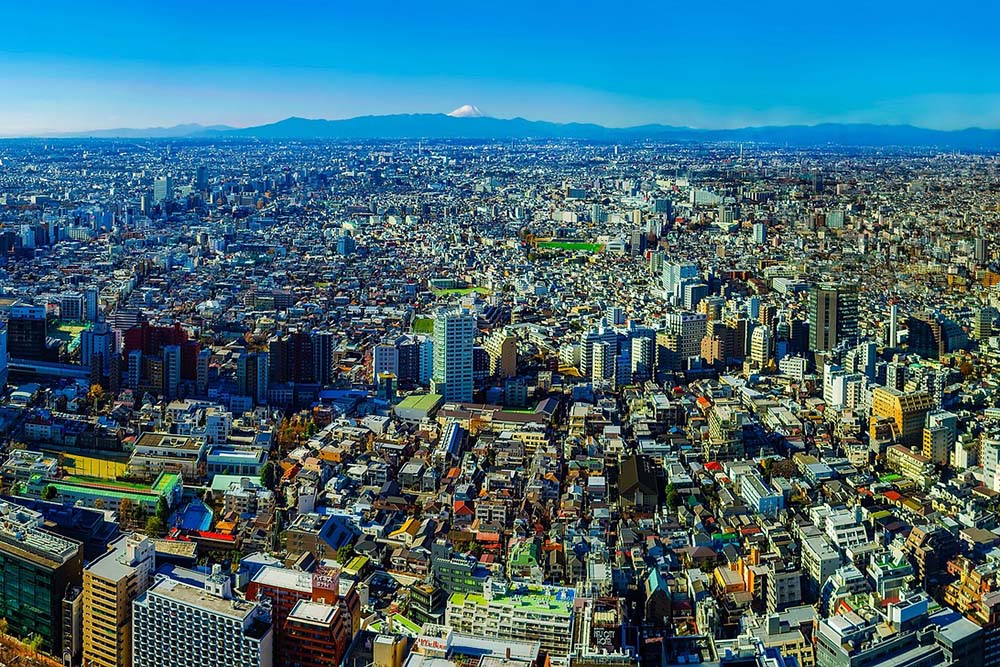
460,291
423,325
572,245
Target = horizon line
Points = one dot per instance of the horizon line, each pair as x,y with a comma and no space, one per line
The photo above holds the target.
60,134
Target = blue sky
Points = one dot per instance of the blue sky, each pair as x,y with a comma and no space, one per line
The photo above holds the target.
98,64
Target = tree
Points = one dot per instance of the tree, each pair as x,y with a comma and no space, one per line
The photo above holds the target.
155,527
344,554
125,509
50,492
268,476
671,496
162,510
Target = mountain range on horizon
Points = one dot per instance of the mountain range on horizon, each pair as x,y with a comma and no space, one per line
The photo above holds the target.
468,123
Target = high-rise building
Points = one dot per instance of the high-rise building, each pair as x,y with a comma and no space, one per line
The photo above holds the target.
72,306
331,601
759,233
689,328
97,347
27,331
3,356
291,358
908,412
36,570
324,348
760,346
833,315
454,337
501,345
253,375
91,297
201,378
674,275
385,359
932,335
940,435
201,178
177,623
163,189
893,325
111,583
982,250
171,371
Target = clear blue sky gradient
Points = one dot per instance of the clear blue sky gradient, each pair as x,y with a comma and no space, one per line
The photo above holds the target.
98,64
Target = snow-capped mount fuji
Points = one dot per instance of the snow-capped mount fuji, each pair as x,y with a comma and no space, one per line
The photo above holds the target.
467,111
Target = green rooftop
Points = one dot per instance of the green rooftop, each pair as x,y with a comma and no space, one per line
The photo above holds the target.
424,402
535,600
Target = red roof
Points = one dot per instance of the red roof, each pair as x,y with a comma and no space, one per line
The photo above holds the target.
892,495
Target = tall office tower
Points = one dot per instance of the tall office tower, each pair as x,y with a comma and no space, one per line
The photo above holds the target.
253,375
324,348
982,250
940,434
346,245
385,359
590,338
615,316
656,263
407,359
643,358
454,336
91,297
97,347
171,371
674,275
759,233
833,315
689,328
38,567
835,218
501,345
291,358
893,325
760,346
201,377
637,242
907,410
163,189
595,213
177,623
426,360
27,331
664,206
111,583
201,178
932,335
134,369
602,363
3,356
72,306
982,323
693,293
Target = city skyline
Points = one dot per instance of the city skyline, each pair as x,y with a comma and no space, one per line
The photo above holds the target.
109,66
